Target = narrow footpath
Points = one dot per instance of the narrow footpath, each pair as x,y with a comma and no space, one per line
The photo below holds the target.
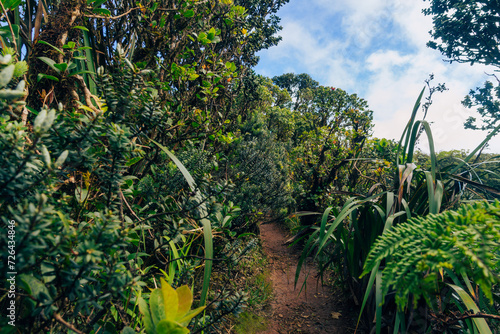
317,309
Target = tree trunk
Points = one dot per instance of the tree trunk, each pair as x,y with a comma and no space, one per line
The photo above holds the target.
57,32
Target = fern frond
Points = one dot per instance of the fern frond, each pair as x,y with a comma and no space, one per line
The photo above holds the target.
466,240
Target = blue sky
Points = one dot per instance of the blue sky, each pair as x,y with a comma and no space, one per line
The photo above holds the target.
377,49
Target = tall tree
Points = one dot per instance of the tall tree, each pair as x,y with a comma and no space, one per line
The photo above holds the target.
331,128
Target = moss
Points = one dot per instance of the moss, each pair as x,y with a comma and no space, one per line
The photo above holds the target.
250,323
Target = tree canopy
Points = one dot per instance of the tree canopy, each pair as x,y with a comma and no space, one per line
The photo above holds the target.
468,31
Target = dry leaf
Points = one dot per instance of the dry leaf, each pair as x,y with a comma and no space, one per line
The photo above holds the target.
336,315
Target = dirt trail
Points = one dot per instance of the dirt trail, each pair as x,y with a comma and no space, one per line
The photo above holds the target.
317,310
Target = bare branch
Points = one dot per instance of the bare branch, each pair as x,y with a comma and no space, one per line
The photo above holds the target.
112,17
67,324
86,92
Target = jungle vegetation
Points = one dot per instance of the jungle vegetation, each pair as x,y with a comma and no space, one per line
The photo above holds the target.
140,151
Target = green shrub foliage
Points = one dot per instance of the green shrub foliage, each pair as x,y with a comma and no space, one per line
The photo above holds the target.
146,150
419,251
98,213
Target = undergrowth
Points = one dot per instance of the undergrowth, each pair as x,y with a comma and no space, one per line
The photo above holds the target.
251,276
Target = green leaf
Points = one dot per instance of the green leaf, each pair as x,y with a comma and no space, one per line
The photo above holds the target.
33,286
157,306
61,67
81,48
133,161
81,194
102,11
21,68
184,171
480,323
69,45
80,27
190,315
188,13
6,75
209,253
202,36
169,327
11,4
52,46
127,330
185,297
46,156
146,316
402,148
51,63
46,76
61,159
99,2
39,120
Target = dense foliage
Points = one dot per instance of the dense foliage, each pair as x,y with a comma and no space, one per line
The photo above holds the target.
140,152
422,248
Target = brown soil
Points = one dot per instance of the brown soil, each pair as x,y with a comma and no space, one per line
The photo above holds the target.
318,309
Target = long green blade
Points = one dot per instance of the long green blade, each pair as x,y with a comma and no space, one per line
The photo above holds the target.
184,171
480,323
407,131
209,253
90,64
487,139
369,286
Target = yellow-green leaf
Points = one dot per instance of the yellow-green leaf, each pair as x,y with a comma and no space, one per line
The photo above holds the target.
157,306
185,300
170,300
146,316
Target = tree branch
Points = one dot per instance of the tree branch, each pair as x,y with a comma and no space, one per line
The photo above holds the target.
476,315
67,324
126,13
10,27
86,92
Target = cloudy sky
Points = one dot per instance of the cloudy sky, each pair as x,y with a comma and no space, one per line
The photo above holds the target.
377,49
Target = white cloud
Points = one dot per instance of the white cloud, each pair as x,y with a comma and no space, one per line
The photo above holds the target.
377,48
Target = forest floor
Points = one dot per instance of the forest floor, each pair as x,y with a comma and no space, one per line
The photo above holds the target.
318,309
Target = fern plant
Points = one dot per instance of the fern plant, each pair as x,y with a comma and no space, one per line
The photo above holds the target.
420,251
